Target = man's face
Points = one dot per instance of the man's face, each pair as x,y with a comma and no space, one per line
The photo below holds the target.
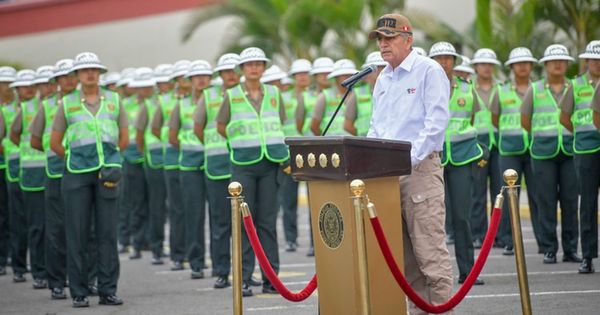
165,87
230,78
484,70
276,83
67,82
46,89
200,82
522,69
253,70
183,83
394,49
446,61
556,67
88,77
4,87
594,67
144,92
26,92
302,79
321,79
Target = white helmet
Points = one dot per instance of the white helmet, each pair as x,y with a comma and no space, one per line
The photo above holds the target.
520,54
252,54
274,73
43,74
375,59
7,74
227,62
485,55
180,68
420,51
216,81
162,73
556,52
592,50
143,77
300,66
127,75
110,78
88,60
322,65
63,67
442,49
199,67
23,78
465,66
342,67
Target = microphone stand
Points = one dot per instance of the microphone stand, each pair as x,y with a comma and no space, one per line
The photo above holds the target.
337,109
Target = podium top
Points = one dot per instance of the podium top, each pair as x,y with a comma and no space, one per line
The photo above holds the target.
347,157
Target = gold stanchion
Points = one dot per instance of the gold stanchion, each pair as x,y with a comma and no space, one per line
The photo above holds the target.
511,177
235,190
357,187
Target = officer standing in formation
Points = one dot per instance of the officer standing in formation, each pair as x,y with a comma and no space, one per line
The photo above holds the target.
7,97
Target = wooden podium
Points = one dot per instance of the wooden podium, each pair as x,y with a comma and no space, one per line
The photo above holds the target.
329,164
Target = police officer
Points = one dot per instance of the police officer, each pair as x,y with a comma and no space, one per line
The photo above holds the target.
160,129
513,140
464,70
217,165
96,128
153,151
191,166
358,114
23,83
460,156
329,99
40,129
551,152
251,118
109,81
273,76
7,96
576,116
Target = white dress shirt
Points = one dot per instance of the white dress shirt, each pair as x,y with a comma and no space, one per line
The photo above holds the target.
410,103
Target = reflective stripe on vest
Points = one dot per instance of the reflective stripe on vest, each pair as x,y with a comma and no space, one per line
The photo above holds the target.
32,175
587,137
483,120
364,110
132,110
153,146
310,99
171,154
332,100
290,103
54,164
191,153
11,150
216,152
513,139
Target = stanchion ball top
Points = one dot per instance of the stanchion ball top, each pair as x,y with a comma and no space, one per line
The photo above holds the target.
235,189
357,187
510,177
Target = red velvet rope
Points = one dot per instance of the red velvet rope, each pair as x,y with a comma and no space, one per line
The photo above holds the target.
270,273
462,291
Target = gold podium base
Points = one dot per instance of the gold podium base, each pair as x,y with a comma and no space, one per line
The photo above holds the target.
336,261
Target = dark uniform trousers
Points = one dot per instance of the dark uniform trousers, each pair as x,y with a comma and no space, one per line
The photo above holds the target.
288,199
491,171
220,231
34,205
587,167
259,182
176,215
133,209
56,259
459,202
521,164
4,218
82,193
555,180
193,190
18,228
155,183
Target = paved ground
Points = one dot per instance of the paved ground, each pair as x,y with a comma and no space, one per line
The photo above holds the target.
556,289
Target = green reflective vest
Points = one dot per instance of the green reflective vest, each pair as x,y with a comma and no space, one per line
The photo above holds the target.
587,138
54,164
154,149
460,145
310,99
548,136
216,153
486,132
253,136
92,140
513,139
191,150
11,150
33,162
332,100
132,110
171,154
290,103
364,110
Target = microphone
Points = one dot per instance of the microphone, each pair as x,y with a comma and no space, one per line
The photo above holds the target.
351,81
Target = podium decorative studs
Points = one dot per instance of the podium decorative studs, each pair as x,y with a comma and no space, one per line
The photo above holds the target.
335,160
323,160
357,187
235,189
312,160
299,161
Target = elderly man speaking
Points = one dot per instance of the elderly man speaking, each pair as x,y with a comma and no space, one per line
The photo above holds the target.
410,103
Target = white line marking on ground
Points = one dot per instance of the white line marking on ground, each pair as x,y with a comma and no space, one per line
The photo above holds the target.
485,296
